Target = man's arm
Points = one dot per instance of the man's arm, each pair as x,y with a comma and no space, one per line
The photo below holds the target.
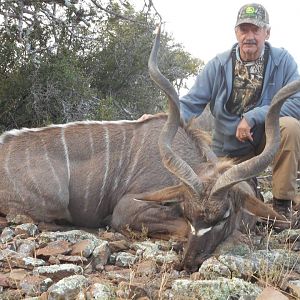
195,101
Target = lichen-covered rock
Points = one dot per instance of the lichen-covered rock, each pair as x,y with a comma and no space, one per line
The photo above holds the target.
57,272
27,230
101,291
35,285
213,269
290,235
85,247
239,266
71,236
14,259
67,288
26,247
221,289
156,251
7,235
278,258
124,259
101,254
54,248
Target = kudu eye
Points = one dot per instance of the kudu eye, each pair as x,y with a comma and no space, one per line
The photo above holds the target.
222,222
227,214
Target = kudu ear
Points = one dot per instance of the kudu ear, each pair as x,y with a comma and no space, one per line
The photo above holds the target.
168,194
258,208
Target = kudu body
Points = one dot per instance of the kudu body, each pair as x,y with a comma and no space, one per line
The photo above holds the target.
92,174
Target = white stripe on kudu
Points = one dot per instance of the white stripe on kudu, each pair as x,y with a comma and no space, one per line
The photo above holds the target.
137,155
11,176
47,159
91,167
31,173
121,160
105,165
66,151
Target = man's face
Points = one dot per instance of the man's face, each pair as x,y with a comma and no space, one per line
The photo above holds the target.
251,39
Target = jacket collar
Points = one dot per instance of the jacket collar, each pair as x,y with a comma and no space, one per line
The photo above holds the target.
275,53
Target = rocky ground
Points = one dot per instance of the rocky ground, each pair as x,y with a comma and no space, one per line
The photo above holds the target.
47,261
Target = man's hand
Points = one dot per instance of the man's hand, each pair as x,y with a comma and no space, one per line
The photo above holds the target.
243,132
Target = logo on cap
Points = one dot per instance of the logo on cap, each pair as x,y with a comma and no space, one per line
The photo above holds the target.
250,10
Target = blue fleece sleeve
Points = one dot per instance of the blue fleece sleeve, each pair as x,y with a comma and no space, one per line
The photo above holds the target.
194,102
291,107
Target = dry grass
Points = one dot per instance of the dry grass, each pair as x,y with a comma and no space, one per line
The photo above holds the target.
277,273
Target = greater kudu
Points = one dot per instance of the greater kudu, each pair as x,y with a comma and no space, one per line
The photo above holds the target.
92,173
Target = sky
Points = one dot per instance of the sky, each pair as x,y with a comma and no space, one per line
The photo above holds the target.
206,27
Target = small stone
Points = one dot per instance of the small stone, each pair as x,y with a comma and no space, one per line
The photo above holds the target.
35,285
57,272
27,247
271,294
67,288
55,248
117,246
17,274
84,248
27,230
18,219
7,235
124,259
101,254
101,291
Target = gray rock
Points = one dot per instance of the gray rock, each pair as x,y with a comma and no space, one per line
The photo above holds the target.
27,229
32,262
86,247
279,257
7,235
124,259
27,247
220,289
35,285
57,272
101,291
71,236
213,269
239,266
101,254
153,250
268,196
67,288
291,235
19,260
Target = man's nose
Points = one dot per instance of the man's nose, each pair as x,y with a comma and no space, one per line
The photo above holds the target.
250,35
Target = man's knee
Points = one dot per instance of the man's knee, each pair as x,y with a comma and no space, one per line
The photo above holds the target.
290,133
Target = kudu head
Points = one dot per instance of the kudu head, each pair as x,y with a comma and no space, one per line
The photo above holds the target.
217,197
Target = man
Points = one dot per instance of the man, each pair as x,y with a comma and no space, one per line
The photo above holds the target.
239,84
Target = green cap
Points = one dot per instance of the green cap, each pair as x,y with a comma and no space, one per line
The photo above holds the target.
254,14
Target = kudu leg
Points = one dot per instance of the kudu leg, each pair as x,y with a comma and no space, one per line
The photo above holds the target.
158,221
